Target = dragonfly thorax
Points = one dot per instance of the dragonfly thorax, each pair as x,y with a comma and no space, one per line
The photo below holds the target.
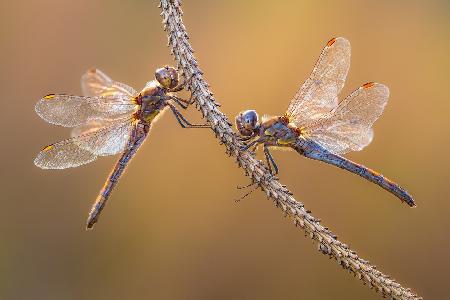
151,101
277,131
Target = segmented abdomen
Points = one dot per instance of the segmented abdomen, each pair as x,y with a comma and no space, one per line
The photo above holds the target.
138,136
313,150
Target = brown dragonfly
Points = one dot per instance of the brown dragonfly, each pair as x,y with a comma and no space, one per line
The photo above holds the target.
110,118
320,127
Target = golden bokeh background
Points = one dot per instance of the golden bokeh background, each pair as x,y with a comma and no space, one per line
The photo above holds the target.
172,229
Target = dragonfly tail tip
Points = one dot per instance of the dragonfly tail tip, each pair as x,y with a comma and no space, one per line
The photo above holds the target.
90,223
411,203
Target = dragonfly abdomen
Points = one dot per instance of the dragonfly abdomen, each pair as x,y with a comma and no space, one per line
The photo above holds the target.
313,150
137,138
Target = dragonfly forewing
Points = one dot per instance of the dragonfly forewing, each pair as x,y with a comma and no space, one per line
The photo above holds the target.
318,94
71,111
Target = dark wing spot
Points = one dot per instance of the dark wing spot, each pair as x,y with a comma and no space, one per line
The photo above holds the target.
331,42
368,85
48,148
49,97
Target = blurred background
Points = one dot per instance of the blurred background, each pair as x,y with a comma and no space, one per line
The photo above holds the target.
172,229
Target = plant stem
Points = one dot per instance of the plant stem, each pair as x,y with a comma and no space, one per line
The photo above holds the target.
257,171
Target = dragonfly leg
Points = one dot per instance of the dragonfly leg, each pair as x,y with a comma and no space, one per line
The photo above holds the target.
182,120
181,102
193,91
245,138
270,160
241,187
178,88
248,193
182,85
254,144
254,148
247,146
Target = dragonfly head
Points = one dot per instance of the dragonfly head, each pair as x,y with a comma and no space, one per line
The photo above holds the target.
167,77
247,122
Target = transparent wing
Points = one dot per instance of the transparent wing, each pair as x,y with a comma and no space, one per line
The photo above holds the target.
97,138
103,98
71,111
349,126
111,135
96,83
318,94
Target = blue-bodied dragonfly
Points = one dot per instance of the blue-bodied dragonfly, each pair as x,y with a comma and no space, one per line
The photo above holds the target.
110,118
320,127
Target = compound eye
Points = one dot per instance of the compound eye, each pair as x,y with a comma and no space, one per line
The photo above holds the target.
250,118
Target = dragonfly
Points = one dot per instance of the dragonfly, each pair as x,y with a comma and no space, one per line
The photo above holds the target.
318,126
110,118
